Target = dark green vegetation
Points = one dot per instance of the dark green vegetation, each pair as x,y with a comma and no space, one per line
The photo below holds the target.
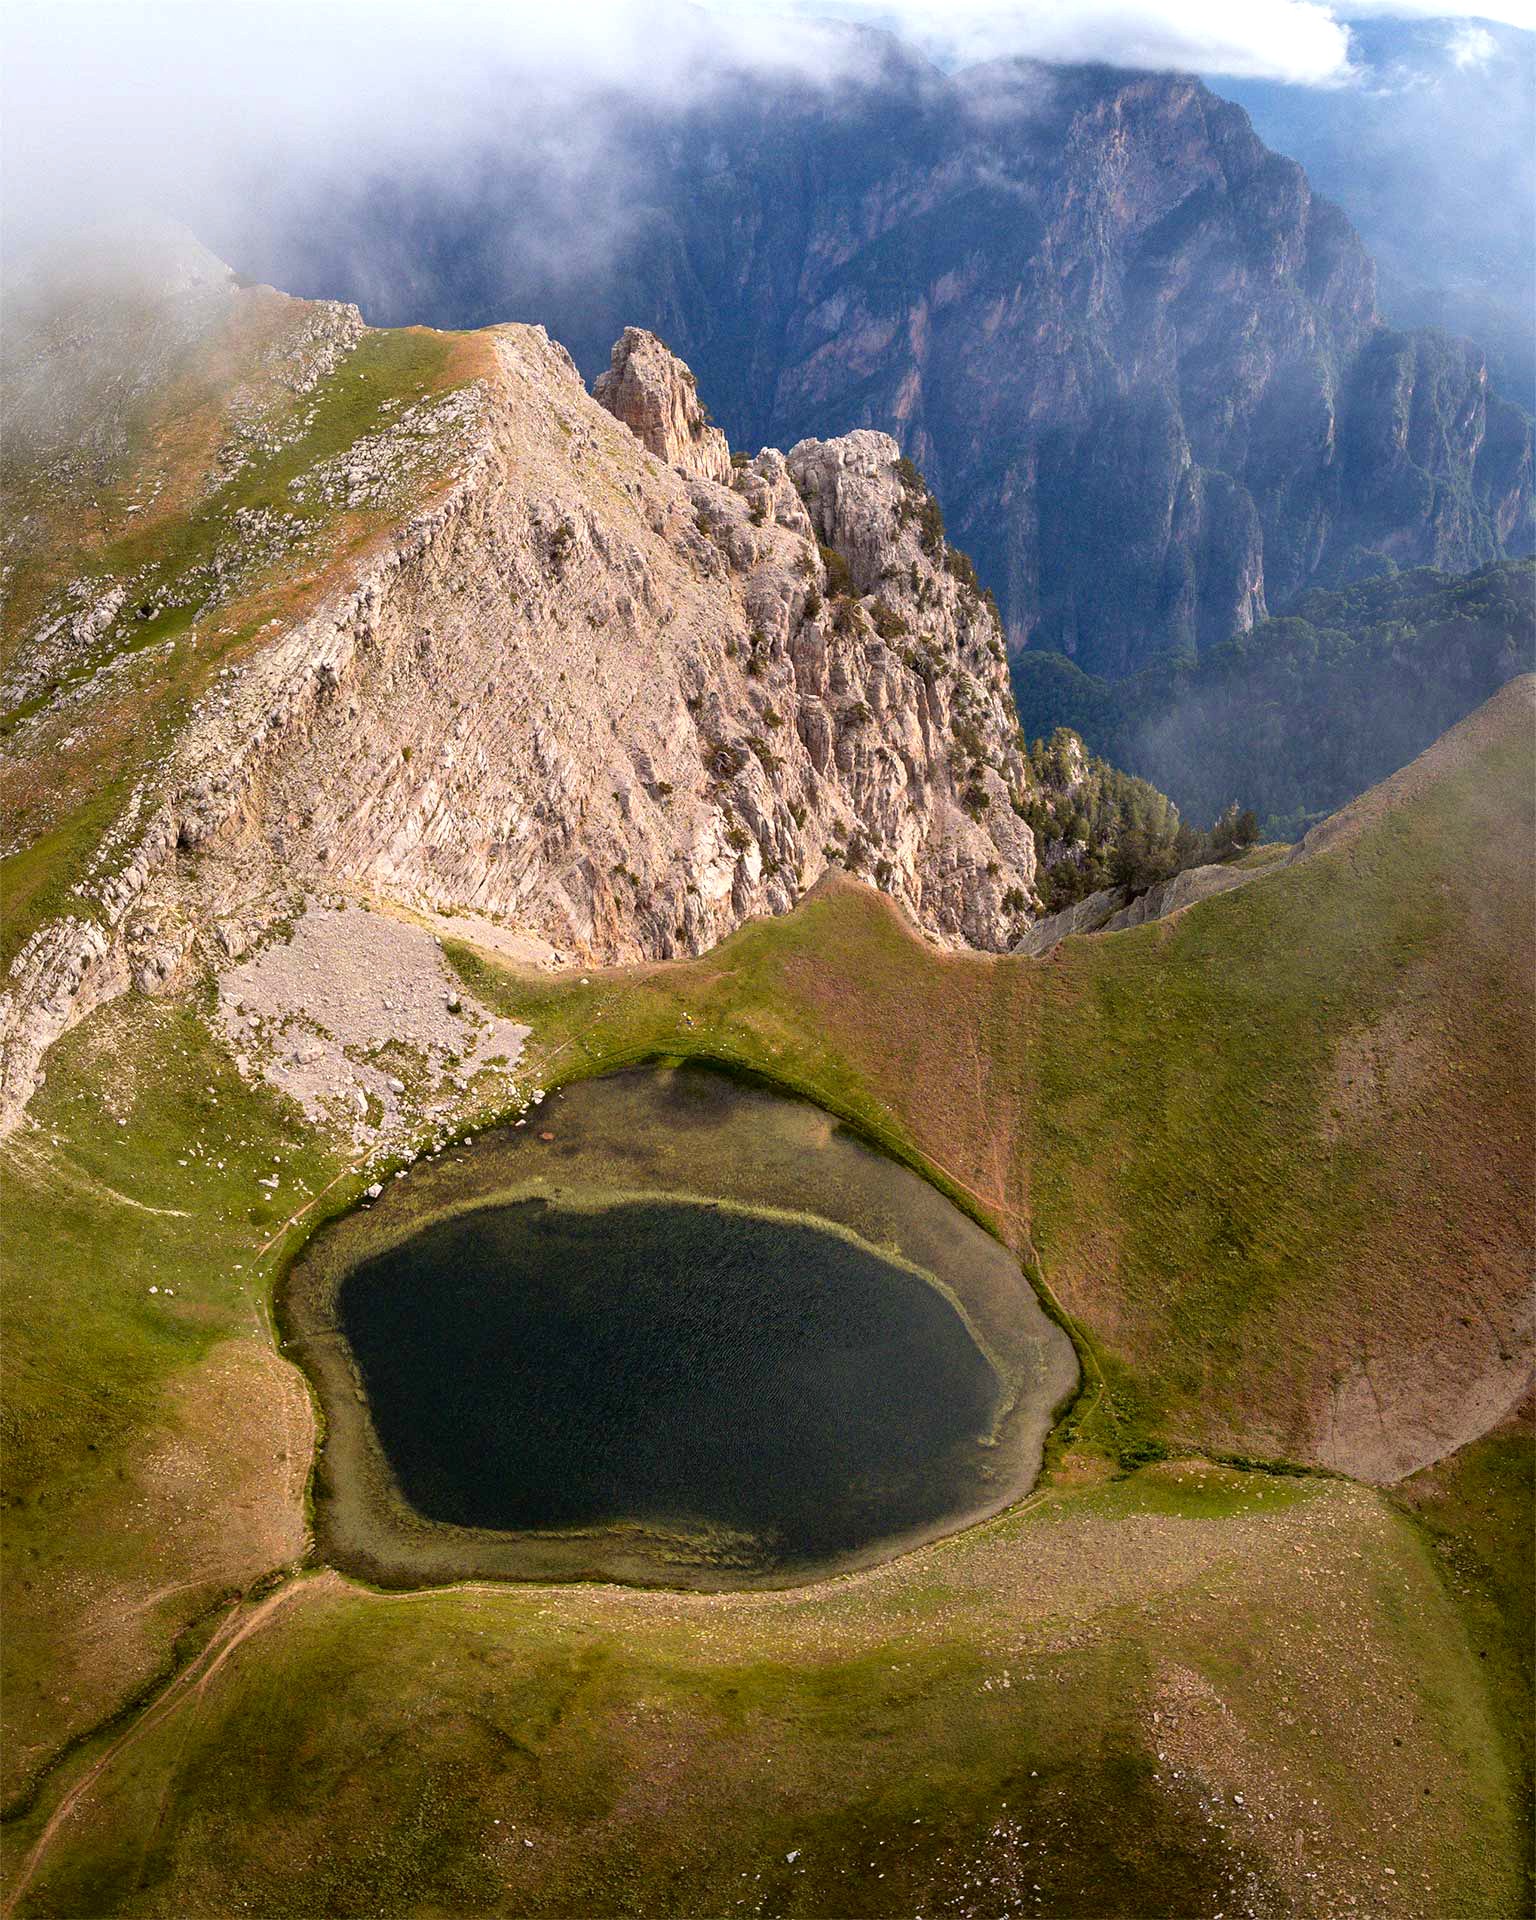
1270,1157
1304,712
1097,827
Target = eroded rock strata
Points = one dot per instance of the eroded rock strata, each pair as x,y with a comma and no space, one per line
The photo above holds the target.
599,684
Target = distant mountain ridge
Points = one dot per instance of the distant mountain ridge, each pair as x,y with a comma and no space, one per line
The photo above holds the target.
1430,152
1137,356
1304,713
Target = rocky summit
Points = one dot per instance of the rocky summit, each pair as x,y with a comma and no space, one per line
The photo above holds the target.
584,673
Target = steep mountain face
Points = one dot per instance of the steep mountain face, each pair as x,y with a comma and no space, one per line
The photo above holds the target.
444,630
1430,154
1136,356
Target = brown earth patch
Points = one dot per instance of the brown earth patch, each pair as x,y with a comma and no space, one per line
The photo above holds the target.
1376,1071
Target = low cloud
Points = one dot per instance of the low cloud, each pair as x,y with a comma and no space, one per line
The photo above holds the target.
1299,41
205,109
1472,46
231,114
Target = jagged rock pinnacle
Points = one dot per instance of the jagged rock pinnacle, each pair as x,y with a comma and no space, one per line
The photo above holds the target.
654,394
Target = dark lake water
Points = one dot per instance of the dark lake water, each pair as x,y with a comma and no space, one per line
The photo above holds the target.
690,1366
685,1330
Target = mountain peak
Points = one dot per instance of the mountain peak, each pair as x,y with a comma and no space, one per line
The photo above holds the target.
656,396
1139,359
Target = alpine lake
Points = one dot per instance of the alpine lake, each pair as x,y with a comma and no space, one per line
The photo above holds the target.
678,1329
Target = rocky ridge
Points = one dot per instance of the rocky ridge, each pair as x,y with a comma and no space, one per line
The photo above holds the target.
1112,909
613,703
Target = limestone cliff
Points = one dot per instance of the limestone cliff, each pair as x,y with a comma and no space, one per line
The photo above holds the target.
611,704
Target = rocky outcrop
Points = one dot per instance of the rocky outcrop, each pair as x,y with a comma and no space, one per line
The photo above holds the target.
1087,915
585,695
656,397
1112,909
1185,889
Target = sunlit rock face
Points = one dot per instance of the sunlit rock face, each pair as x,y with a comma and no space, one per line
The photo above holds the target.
590,681
656,397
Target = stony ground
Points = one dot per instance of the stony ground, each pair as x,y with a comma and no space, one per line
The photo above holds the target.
357,1017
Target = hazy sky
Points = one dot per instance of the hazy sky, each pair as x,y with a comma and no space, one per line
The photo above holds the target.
197,102
1302,41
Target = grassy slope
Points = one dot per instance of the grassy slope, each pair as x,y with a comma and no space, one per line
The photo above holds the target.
1243,1218
1475,1510
372,1742
155,1447
1231,1212
79,763
974,1719
119,1494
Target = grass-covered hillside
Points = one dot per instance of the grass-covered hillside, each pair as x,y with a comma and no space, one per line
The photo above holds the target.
1304,712
184,468
1269,1159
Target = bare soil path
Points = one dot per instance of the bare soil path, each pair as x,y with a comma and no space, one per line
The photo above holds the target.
233,1630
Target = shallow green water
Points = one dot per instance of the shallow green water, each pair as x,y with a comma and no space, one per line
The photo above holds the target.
705,1335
